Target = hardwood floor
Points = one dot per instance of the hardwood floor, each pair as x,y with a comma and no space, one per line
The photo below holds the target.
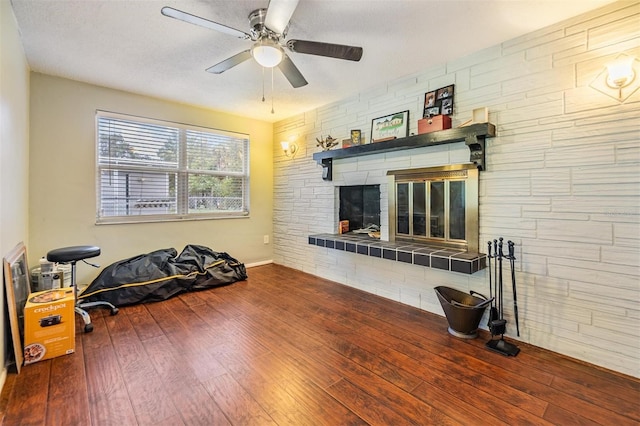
285,347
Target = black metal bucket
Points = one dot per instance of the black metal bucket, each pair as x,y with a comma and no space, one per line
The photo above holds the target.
463,311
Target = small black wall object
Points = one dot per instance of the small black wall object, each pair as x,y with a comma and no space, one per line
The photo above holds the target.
327,169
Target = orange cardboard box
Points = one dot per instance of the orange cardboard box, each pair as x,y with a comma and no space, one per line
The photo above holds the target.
49,325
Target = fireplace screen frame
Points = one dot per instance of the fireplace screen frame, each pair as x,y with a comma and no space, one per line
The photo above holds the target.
453,172
367,207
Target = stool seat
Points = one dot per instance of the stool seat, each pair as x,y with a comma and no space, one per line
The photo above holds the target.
74,253
71,255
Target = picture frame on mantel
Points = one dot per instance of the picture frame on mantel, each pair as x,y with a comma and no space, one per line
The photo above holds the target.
439,102
356,137
388,127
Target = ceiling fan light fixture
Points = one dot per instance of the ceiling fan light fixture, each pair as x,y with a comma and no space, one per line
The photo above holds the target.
267,53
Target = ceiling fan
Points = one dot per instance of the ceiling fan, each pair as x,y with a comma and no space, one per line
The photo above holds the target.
268,32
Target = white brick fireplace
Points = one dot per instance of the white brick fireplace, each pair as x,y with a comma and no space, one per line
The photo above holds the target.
561,181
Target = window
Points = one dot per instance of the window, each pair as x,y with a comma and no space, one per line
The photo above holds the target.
437,205
151,170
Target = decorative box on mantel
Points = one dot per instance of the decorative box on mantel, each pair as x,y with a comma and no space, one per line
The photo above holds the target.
416,253
434,124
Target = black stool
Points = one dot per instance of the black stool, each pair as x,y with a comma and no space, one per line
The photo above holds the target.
72,255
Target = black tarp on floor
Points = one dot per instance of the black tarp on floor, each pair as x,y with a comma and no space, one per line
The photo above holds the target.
162,274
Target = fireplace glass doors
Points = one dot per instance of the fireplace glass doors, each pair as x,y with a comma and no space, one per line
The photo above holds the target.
438,205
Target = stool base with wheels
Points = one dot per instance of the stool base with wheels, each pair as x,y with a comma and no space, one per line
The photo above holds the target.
72,255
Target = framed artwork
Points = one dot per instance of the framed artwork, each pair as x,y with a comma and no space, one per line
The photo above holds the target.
16,283
438,102
430,112
390,127
430,101
356,137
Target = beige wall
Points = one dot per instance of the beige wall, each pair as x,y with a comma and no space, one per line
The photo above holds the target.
62,177
14,146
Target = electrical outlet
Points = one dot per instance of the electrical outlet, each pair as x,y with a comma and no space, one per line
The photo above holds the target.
266,239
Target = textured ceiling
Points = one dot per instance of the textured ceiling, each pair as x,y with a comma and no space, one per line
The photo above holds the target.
129,45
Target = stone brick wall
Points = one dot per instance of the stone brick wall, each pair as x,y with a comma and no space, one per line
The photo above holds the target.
562,182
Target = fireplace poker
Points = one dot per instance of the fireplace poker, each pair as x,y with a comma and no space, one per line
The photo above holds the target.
500,256
493,313
497,324
512,261
495,278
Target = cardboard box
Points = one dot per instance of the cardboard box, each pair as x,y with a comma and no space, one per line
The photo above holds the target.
433,124
49,325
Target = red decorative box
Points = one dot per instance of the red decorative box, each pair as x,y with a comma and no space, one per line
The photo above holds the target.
433,124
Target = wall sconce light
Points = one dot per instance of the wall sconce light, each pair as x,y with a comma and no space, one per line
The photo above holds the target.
618,79
620,72
289,148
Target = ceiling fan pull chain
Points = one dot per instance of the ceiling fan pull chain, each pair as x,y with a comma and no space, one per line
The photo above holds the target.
272,111
262,84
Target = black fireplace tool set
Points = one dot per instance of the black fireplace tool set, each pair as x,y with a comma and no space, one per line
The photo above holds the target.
497,323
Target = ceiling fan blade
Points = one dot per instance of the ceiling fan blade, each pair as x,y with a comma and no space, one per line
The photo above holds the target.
196,20
339,51
279,14
231,62
292,73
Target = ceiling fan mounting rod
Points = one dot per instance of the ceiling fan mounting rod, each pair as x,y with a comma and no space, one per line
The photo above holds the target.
259,30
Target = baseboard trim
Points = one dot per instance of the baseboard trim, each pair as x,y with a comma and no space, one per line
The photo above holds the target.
3,378
264,262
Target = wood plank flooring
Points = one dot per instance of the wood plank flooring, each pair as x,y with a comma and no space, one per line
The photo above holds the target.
287,348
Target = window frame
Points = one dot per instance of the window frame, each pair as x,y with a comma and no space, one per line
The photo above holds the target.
182,172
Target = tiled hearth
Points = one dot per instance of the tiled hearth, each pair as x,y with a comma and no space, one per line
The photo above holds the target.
417,253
